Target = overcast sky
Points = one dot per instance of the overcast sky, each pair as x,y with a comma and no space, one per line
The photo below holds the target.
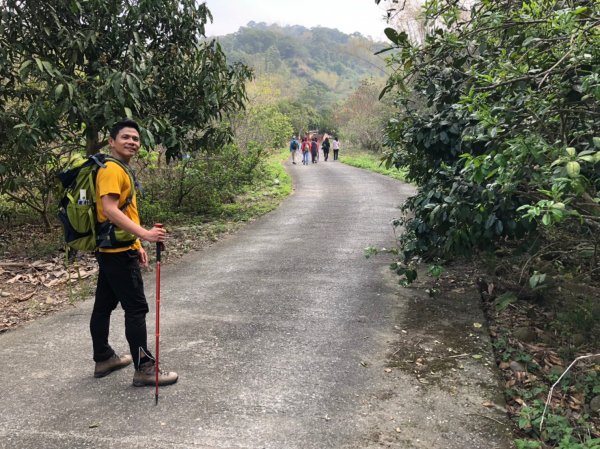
347,16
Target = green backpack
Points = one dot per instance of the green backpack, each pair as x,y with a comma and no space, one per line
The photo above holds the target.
77,207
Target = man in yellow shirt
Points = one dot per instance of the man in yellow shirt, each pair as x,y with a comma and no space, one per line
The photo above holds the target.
119,257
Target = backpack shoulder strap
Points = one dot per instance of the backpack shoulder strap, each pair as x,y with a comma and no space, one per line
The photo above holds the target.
132,179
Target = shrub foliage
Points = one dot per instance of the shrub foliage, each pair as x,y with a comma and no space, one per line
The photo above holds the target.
498,124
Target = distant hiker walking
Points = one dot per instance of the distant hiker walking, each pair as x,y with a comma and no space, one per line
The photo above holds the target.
305,150
325,146
119,257
314,149
336,148
294,145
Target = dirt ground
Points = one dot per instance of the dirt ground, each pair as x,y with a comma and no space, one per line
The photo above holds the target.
535,341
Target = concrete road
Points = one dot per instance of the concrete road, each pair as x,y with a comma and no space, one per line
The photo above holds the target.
282,336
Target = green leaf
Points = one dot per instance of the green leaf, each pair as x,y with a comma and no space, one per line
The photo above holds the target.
370,251
505,300
536,279
391,34
529,40
48,66
149,141
385,89
24,66
38,61
383,50
58,91
131,84
499,227
128,113
411,276
546,219
436,270
116,83
397,38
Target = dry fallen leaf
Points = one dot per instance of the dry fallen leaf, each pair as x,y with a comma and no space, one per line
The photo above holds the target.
25,297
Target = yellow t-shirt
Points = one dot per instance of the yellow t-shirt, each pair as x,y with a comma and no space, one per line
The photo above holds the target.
114,180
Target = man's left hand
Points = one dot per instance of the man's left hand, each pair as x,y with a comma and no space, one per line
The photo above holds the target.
143,257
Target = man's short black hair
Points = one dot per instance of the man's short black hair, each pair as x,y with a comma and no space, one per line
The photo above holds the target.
127,123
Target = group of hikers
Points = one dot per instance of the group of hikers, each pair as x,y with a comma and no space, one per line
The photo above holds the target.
310,148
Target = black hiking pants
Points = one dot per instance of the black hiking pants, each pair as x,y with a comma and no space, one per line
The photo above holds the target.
119,281
326,153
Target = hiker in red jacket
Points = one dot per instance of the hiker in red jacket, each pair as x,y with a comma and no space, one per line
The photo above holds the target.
305,150
314,148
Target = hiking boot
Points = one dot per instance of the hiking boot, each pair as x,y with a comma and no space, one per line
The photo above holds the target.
146,375
115,362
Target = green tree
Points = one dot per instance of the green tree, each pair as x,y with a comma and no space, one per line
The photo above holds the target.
263,126
303,117
498,125
361,118
72,68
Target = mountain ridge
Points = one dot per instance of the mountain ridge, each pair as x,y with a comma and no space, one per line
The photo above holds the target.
322,64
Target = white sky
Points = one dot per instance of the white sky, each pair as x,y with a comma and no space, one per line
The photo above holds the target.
347,16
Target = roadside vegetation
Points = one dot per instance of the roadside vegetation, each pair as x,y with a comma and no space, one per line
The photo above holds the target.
372,162
496,122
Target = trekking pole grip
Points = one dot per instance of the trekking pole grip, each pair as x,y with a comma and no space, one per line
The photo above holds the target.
159,245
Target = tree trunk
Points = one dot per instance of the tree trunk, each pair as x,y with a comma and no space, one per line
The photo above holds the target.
46,220
91,140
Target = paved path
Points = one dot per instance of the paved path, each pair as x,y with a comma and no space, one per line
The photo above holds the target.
281,335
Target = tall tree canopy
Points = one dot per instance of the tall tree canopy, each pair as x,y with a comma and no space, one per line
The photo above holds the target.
71,68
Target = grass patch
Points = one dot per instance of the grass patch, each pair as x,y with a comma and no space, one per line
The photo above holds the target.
371,162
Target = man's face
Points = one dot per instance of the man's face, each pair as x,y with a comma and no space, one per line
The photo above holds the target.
126,144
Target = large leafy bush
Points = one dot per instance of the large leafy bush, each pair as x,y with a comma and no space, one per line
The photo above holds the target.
498,124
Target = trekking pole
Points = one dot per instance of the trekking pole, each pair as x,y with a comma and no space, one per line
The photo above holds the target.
159,247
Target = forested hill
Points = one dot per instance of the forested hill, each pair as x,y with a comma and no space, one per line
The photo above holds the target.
320,64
